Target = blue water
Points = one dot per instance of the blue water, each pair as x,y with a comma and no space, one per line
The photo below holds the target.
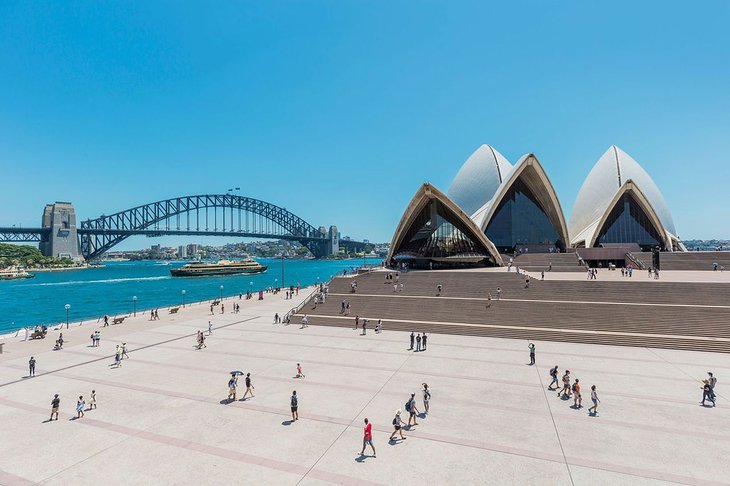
97,291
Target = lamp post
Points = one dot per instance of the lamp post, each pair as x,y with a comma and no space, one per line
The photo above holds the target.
183,297
250,288
68,308
134,305
221,292
276,283
282,269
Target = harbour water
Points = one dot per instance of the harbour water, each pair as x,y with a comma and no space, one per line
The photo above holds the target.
94,292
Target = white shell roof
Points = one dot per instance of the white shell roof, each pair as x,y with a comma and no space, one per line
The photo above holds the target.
612,170
478,179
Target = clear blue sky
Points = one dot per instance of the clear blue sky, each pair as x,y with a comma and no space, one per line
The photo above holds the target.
338,110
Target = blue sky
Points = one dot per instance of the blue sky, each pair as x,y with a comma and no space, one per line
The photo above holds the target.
338,110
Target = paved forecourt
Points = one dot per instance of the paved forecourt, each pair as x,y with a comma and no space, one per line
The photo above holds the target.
163,417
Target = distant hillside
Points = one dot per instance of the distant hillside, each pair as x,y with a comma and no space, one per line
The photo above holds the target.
30,257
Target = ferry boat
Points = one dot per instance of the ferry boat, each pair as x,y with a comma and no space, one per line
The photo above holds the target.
222,267
14,273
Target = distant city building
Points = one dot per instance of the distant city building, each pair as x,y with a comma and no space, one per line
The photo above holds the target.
193,249
182,251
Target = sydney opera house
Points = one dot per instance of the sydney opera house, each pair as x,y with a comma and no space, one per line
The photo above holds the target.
494,209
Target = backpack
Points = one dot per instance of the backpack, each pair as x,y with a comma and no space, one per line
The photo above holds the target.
408,405
294,401
395,422
572,387
554,372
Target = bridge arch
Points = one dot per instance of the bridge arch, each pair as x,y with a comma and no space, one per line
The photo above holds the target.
233,215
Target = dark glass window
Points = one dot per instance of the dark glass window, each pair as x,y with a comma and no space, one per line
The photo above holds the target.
628,223
520,221
433,233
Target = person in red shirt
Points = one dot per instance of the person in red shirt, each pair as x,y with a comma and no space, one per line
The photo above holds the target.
368,438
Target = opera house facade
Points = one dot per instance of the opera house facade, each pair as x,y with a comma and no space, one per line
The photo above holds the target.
494,209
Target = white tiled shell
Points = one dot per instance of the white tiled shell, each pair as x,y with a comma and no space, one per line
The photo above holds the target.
613,169
478,179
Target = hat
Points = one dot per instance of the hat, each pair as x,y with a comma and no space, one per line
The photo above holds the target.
397,412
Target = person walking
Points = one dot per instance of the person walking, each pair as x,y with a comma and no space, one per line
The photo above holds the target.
566,385
299,371
411,409
80,407
357,321
305,321
595,400
423,341
367,437
577,397
413,337
439,288
426,397
553,378
210,328
31,366
418,343
294,402
92,400
106,320
499,293
707,393
397,424
364,326
232,385
55,403
713,383
400,287
249,387
124,351
489,300
532,353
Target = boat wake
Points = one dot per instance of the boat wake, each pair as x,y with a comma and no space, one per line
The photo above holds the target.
108,280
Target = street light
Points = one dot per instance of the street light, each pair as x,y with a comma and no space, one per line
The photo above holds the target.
221,292
68,307
134,304
183,297
276,283
282,269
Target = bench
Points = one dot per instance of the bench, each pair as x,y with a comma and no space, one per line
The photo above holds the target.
38,335
118,320
173,310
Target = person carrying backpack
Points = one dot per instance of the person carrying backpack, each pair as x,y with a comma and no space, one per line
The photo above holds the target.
294,402
397,422
411,409
553,378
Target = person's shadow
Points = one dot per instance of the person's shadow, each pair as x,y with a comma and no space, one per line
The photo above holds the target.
287,422
226,401
46,421
361,457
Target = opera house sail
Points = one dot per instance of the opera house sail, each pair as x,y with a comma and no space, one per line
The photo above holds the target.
434,231
478,179
524,213
619,203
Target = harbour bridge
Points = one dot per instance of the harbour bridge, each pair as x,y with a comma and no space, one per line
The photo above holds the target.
200,215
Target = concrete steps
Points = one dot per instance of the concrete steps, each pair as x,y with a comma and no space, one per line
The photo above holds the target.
461,309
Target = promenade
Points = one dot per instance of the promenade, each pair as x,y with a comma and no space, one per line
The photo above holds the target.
163,417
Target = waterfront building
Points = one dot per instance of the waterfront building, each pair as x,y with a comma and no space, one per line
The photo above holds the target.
182,251
493,208
619,203
436,231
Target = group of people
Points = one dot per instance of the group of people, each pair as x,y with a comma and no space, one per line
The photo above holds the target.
364,327
120,354
345,307
233,386
413,413
568,390
80,405
95,339
708,389
420,341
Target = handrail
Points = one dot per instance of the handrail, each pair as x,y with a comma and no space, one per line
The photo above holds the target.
314,293
635,260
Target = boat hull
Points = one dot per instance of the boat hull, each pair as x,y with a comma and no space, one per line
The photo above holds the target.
208,272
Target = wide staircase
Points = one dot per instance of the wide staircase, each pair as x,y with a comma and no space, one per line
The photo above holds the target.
647,313
544,262
694,260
